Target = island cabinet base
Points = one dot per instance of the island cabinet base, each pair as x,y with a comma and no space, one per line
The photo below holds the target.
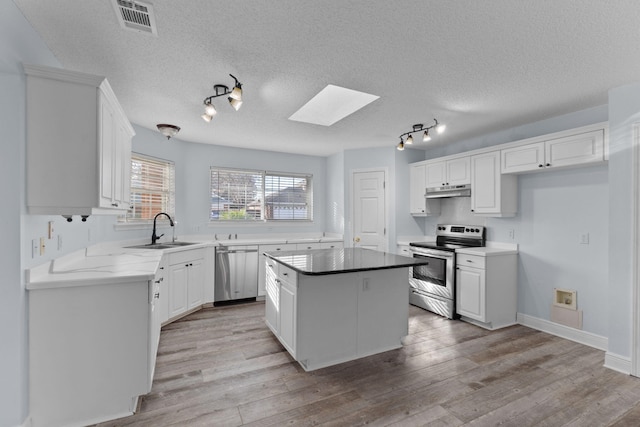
323,320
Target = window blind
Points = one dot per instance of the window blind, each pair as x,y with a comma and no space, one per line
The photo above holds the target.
249,195
152,188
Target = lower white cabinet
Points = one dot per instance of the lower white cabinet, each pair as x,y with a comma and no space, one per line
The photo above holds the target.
262,262
186,281
323,320
288,315
486,289
90,351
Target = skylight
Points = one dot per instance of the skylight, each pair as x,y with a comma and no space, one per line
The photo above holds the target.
331,104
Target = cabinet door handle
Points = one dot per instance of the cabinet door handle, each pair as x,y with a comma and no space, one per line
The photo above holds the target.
548,164
540,165
469,260
115,205
156,295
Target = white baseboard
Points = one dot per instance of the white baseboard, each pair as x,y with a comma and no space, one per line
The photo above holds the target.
582,337
617,363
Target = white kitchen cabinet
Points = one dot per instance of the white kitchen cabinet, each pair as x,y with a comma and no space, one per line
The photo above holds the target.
448,172
572,150
281,303
288,318
272,297
327,319
162,280
492,194
91,348
332,245
186,281
78,144
308,245
418,204
195,283
262,260
486,289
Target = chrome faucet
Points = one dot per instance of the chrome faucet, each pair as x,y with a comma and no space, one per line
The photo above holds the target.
155,238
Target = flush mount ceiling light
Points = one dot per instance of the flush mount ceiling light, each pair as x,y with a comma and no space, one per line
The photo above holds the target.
234,97
331,104
168,130
439,128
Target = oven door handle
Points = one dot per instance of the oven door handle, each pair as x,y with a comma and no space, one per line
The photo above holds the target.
440,255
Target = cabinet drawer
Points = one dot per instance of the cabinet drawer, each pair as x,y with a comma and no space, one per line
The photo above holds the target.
185,256
464,260
287,274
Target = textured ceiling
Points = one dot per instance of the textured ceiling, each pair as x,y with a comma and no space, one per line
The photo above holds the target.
478,66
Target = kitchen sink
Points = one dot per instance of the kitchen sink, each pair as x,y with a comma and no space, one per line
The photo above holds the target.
163,245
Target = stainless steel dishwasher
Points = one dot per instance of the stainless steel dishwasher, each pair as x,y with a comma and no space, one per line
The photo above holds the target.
236,273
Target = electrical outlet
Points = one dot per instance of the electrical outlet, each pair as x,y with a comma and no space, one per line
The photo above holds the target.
512,233
35,248
584,239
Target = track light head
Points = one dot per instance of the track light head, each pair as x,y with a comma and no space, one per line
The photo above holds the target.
426,137
440,128
409,140
235,103
400,146
209,109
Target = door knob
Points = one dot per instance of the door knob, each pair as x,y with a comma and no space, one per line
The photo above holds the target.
356,239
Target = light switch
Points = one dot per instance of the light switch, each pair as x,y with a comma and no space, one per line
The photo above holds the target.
584,239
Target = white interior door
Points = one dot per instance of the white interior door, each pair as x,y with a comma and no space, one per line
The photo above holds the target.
369,210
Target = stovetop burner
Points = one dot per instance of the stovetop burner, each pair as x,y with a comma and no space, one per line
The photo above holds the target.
452,237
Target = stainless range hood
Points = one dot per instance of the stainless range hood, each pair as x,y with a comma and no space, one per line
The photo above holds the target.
448,191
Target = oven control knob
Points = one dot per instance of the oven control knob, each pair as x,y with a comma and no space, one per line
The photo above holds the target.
467,230
477,230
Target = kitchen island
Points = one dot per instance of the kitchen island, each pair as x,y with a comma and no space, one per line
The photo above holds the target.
328,306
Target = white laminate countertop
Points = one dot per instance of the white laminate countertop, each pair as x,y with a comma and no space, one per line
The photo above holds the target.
114,262
491,249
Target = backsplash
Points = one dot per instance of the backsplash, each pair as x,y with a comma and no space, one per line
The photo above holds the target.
457,210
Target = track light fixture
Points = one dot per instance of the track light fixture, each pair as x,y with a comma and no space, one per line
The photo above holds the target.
439,127
234,98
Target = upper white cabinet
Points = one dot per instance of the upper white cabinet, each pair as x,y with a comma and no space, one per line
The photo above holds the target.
418,205
78,144
449,172
570,150
492,194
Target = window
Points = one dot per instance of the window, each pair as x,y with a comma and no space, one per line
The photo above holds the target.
152,188
249,195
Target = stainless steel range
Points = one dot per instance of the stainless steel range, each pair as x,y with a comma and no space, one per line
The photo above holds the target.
433,286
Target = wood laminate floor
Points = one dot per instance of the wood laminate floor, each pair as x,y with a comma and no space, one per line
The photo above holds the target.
223,367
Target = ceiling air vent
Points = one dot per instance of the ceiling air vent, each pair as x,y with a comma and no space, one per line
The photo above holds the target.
136,16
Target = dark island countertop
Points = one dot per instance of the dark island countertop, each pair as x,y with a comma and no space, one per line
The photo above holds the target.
336,261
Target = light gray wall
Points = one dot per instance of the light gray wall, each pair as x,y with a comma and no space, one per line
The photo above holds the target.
335,193
18,44
375,158
624,112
